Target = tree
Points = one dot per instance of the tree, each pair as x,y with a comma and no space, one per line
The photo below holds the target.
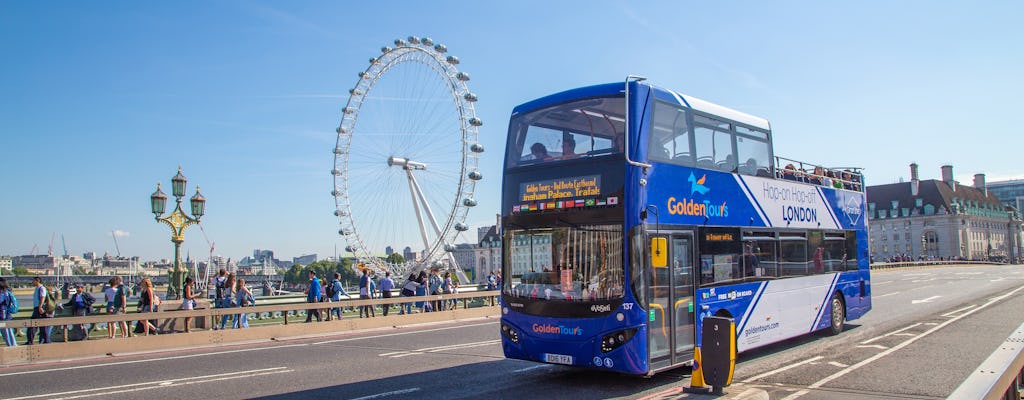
296,274
395,258
20,271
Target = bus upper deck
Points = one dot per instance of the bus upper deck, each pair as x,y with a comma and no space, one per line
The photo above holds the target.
590,122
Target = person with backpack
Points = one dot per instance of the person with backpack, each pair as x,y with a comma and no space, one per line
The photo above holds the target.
118,307
313,296
39,310
8,307
334,292
408,290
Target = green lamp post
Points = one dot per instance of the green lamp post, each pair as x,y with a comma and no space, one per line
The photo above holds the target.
178,221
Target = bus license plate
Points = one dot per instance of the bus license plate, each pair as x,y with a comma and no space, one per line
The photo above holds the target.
558,358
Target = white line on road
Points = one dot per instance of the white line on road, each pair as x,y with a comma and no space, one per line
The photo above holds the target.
837,364
890,333
887,294
950,314
786,368
532,368
928,300
872,346
379,395
134,387
404,353
153,359
908,342
406,333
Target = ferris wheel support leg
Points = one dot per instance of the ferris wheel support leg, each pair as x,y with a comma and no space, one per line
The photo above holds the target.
418,193
415,204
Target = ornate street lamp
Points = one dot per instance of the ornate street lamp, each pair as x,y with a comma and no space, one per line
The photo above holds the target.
178,221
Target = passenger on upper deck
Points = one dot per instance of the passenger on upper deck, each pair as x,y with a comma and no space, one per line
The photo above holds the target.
539,153
568,147
789,173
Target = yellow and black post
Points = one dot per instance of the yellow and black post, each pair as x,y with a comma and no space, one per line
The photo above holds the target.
714,358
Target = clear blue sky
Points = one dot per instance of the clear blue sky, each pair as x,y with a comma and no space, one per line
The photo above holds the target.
101,100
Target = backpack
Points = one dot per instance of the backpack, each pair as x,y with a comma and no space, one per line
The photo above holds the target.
50,305
12,304
330,291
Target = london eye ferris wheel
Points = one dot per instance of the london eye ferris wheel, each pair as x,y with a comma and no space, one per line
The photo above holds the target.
405,160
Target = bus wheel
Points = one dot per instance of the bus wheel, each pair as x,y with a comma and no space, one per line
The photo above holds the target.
838,314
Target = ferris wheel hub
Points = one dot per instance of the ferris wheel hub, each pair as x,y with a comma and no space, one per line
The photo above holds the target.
405,163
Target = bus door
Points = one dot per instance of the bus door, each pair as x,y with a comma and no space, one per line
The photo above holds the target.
670,324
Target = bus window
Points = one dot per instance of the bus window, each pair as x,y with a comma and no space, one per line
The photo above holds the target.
850,255
720,250
670,135
759,260
835,251
581,128
572,264
753,152
792,256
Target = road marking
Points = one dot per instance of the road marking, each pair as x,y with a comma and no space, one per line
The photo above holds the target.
872,346
906,343
786,368
890,333
379,395
928,300
135,387
405,353
155,359
950,314
876,283
406,333
837,364
998,280
663,394
887,294
532,368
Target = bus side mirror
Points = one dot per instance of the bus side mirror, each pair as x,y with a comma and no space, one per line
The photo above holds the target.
659,255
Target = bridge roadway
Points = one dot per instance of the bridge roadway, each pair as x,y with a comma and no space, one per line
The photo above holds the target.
928,331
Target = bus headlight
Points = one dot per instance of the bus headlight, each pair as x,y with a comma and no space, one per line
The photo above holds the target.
510,333
614,340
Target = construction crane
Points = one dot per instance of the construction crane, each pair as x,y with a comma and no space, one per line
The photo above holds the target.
209,263
113,233
65,244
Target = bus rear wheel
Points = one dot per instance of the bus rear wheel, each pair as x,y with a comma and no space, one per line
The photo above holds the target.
838,314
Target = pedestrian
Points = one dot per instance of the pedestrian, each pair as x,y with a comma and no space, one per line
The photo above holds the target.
334,291
434,283
243,296
228,291
364,292
448,287
313,296
148,299
491,281
421,290
188,302
386,286
39,311
81,305
218,283
120,302
408,290
8,306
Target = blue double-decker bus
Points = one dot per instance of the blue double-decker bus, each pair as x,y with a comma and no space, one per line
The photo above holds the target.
632,212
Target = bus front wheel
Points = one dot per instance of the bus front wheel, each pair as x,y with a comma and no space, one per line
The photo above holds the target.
838,314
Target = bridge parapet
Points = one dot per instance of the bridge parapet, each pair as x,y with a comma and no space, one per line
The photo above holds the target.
289,324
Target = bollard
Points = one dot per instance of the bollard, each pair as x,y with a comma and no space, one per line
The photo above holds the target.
715,356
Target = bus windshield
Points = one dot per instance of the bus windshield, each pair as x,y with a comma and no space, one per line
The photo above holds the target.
578,129
572,264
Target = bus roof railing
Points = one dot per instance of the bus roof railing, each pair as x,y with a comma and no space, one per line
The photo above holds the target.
849,178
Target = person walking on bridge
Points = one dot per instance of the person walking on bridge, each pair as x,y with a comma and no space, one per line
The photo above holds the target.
313,296
38,300
7,303
81,305
386,286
